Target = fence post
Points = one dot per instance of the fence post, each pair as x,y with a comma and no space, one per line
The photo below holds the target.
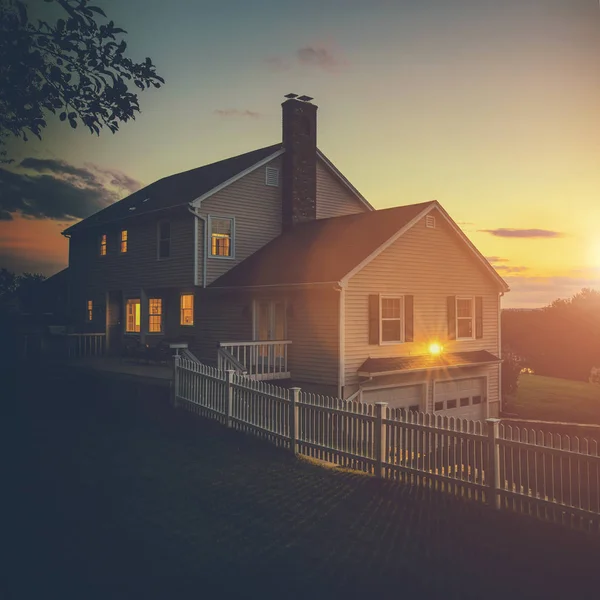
380,438
294,418
176,358
493,462
229,397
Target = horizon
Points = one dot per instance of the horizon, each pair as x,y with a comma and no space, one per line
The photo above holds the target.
496,102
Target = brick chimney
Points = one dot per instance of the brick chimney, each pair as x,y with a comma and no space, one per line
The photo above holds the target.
299,167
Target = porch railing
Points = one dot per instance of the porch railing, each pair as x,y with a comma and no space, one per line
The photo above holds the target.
262,360
81,345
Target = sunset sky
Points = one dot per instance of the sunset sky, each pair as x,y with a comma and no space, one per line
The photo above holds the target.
492,107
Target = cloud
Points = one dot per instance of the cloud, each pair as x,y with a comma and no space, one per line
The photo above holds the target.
234,112
319,56
532,291
496,259
523,233
313,56
55,189
508,270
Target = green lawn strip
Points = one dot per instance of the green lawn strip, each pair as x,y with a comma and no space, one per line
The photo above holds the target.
552,399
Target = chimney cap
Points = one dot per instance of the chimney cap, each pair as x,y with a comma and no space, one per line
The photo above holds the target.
305,98
290,96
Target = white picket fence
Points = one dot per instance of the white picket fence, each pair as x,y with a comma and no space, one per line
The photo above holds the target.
552,477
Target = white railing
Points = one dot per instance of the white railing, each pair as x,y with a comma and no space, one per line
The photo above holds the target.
538,474
82,345
262,360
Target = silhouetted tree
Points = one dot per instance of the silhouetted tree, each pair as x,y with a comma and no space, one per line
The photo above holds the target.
74,67
561,340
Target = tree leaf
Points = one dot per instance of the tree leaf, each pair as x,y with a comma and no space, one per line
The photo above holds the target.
63,116
73,123
98,10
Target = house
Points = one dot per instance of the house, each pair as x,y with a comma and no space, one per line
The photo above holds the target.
271,262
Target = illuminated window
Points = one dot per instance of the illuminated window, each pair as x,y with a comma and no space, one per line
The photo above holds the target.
103,245
123,241
155,315
187,309
164,239
90,310
465,318
133,315
391,319
221,237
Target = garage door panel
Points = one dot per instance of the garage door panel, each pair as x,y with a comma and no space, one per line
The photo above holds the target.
463,398
409,396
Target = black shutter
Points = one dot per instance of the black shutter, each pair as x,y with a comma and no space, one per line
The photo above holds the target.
451,317
373,319
479,317
409,333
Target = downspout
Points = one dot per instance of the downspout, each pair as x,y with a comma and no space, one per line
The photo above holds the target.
500,294
341,288
204,229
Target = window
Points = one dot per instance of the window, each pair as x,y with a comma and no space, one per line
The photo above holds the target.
155,315
103,245
187,309
132,324
272,177
90,310
164,239
464,401
391,319
123,241
439,405
221,237
451,403
464,318
476,400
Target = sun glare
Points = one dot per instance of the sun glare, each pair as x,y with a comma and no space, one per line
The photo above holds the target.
435,348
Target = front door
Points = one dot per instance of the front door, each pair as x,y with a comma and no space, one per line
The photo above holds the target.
270,325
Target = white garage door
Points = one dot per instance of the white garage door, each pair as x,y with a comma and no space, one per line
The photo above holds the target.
463,398
407,396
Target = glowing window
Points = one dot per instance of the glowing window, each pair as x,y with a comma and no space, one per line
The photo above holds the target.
132,324
123,241
155,315
187,309
103,245
90,310
221,237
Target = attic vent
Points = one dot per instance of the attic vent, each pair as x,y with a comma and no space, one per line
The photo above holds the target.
430,221
272,176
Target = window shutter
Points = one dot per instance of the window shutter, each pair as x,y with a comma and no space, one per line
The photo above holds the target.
373,319
451,318
408,319
479,317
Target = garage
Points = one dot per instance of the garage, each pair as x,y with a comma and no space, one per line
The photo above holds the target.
463,398
406,396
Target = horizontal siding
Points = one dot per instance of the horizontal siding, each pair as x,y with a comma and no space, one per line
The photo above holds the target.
256,208
429,264
92,275
313,328
333,198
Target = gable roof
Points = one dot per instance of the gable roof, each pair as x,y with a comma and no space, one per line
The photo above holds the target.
332,250
320,251
175,190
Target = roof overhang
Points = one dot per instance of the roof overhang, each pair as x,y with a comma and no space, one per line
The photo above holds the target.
457,362
279,286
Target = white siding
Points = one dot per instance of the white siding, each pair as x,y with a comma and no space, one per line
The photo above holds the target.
430,264
333,198
256,208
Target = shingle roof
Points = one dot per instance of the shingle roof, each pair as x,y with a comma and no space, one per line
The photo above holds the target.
320,251
177,189
375,366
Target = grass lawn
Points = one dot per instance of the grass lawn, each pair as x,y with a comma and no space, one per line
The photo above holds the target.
115,497
551,399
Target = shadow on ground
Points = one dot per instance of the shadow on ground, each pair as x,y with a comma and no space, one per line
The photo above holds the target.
116,496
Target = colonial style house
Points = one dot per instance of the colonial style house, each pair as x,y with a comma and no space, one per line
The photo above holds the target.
272,263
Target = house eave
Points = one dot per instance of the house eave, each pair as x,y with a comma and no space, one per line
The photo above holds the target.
421,369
